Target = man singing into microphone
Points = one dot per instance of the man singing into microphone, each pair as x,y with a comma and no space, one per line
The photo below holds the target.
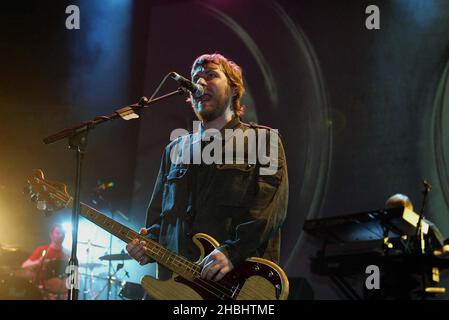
235,203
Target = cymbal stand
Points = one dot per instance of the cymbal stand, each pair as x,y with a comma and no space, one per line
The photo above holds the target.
110,268
111,277
88,279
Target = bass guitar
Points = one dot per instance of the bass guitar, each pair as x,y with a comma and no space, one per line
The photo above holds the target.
253,279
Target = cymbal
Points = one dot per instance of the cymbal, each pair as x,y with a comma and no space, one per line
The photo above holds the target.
91,265
9,249
101,276
118,256
91,244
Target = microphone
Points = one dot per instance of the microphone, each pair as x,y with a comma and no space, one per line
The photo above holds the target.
195,89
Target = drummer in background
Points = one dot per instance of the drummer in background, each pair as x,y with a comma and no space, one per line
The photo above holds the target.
48,263
53,250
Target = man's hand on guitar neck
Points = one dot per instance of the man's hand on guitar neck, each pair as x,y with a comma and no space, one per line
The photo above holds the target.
215,266
137,250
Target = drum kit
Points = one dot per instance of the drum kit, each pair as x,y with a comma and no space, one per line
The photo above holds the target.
48,281
16,283
108,285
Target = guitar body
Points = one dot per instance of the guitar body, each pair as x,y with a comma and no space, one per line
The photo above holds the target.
254,279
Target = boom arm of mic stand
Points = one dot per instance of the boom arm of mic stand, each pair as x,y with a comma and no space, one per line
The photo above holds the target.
126,113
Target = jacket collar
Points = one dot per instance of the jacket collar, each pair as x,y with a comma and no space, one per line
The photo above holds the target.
232,124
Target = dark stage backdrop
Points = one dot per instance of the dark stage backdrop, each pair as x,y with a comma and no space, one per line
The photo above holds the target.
362,112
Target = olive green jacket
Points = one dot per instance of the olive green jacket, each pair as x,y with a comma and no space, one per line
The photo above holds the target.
234,203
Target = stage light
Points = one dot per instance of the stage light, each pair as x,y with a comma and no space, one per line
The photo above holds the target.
67,227
87,233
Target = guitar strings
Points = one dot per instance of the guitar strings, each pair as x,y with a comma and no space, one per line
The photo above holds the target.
62,196
220,286
215,285
192,268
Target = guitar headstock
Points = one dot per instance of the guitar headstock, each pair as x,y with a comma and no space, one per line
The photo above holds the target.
49,196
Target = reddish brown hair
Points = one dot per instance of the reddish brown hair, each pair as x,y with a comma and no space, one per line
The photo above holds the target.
233,73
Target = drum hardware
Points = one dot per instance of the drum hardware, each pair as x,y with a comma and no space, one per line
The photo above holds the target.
91,265
132,291
88,275
117,256
89,279
113,280
90,244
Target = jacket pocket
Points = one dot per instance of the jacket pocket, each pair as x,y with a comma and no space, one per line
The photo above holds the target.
242,168
175,195
235,184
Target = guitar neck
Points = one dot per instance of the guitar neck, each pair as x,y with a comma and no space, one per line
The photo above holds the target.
154,250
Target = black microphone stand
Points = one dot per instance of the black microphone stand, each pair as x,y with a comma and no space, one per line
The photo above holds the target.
420,237
77,142
77,137
419,231
110,263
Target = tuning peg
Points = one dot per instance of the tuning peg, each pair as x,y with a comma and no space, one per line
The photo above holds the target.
42,205
34,197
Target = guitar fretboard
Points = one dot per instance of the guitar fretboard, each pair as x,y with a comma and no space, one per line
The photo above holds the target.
154,250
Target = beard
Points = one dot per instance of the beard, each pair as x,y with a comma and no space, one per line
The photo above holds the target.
209,113
213,108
